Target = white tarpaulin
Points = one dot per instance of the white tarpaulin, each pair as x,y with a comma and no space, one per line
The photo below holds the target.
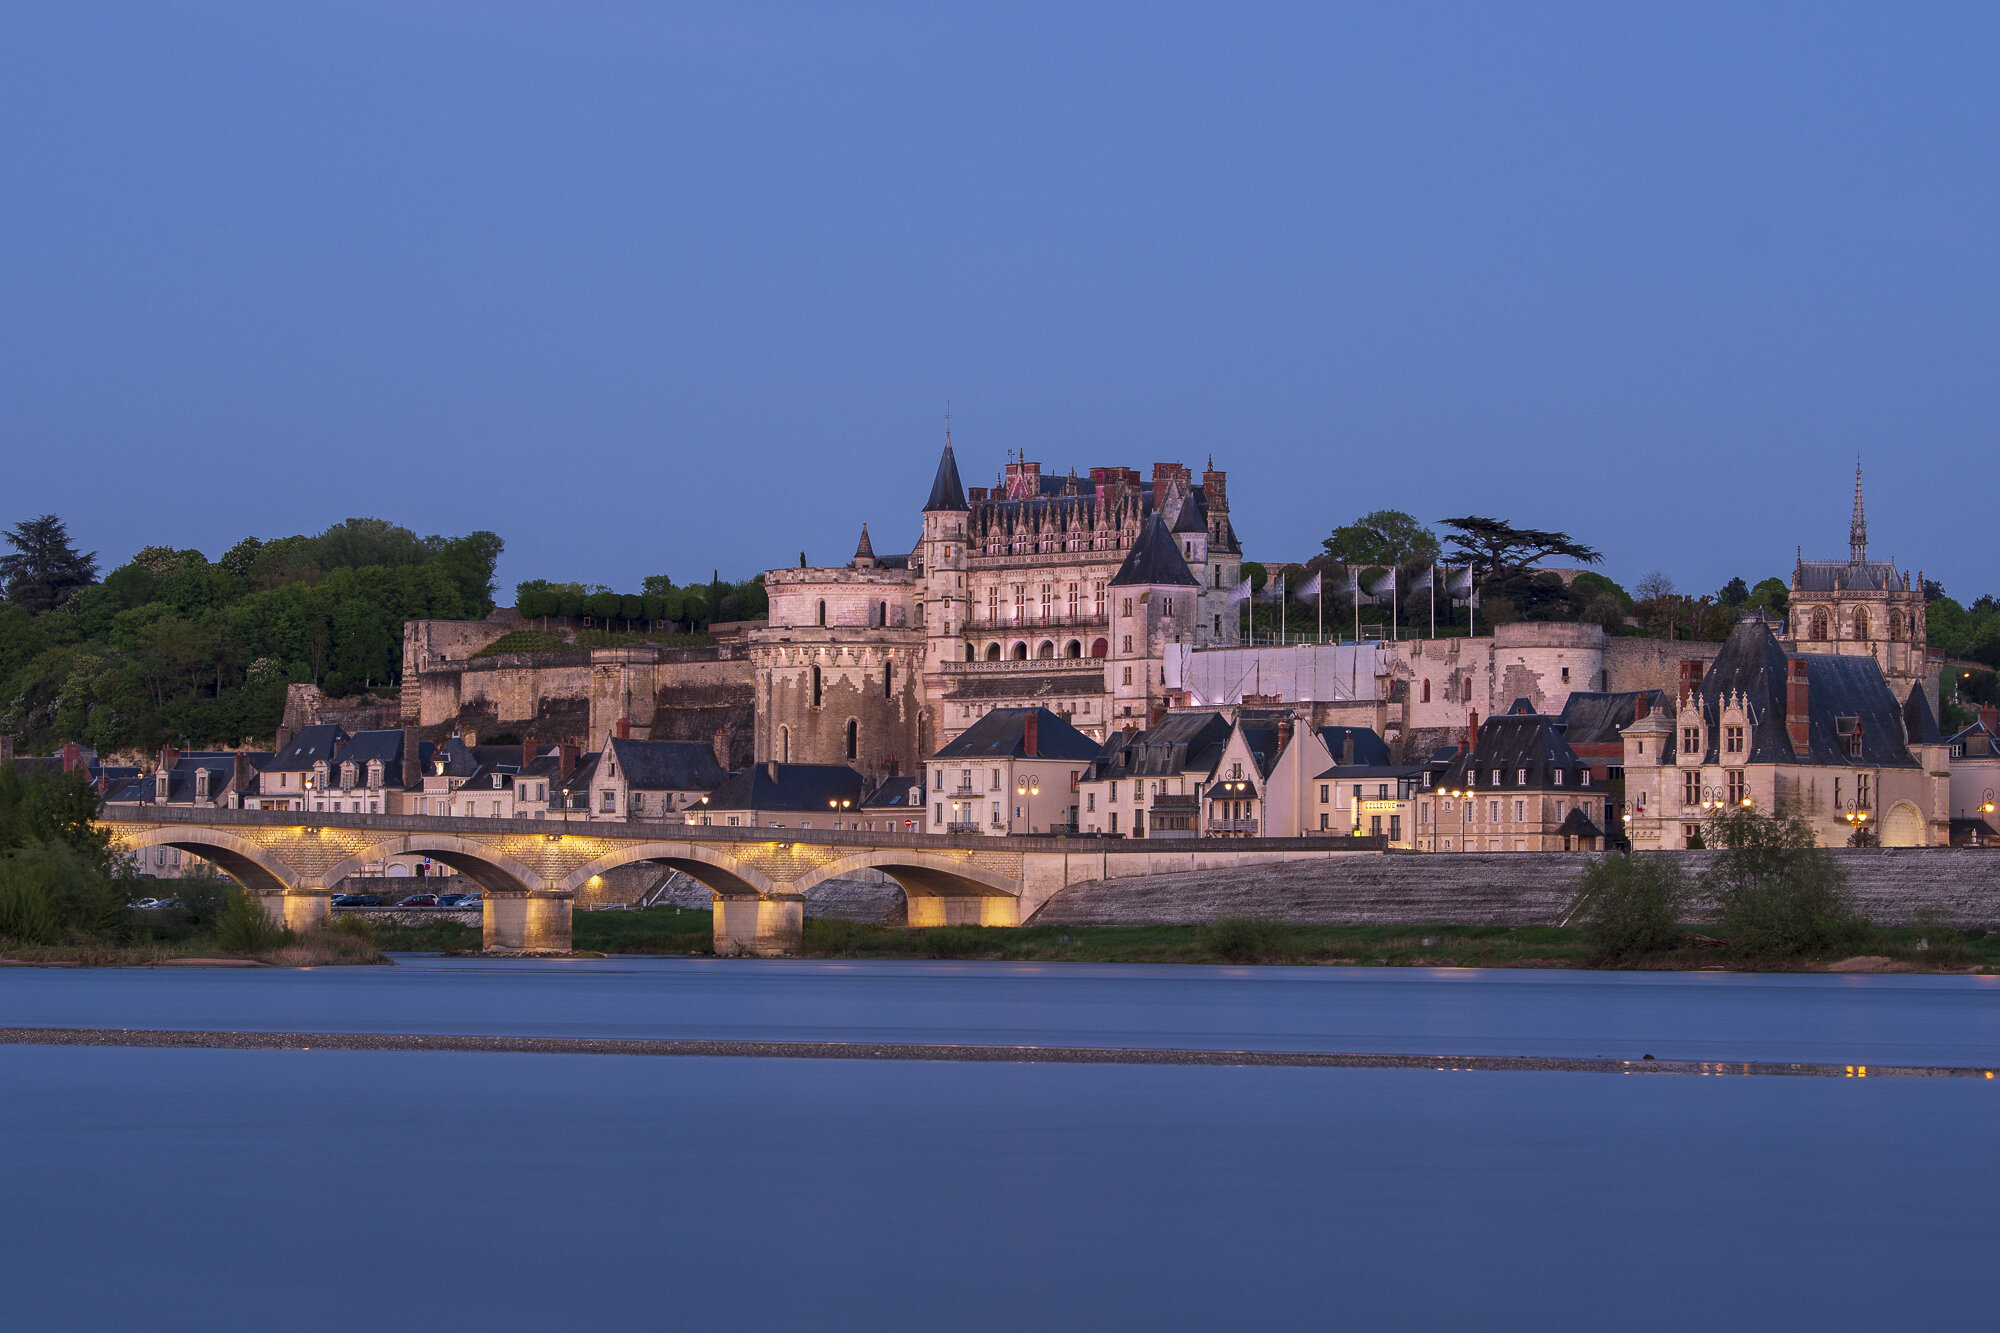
1298,673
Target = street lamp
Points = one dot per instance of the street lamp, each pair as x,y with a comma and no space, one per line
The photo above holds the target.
836,805
1461,797
1856,816
1029,787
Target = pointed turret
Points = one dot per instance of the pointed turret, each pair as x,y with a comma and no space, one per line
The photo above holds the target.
1155,560
947,495
1857,531
864,554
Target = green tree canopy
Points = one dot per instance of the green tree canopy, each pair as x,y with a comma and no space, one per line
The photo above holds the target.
1386,537
45,568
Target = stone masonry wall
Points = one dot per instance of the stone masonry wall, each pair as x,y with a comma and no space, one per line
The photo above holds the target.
1507,889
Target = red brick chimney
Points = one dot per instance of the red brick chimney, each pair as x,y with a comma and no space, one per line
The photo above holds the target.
1798,706
1641,707
622,729
1284,733
169,756
284,739
72,757
720,743
1031,733
528,750
103,784
240,772
1989,717
1472,731
1156,715
565,759
1691,672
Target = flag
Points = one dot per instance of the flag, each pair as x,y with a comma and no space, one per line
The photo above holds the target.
1459,583
1274,591
1383,586
1310,588
1241,592
1423,580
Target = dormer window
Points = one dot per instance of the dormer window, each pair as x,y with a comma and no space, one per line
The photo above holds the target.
347,777
1496,777
1583,779
374,774
1690,740
201,784
1556,776
1520,777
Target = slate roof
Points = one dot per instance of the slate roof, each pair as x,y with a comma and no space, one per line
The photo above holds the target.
1832,575
1182,743
1578,825
308,746
667,765
1002,734
1155,560
386,745
1919,722
1193,520
182,783
1369,748
1592,718
805,788
1260,732
946,491
904,793
1376,771
1841,691
1511,743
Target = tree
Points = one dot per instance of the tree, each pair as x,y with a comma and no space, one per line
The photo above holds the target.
1498,551
1772,596
1387,537
1653,587
45,568
1779,891
1633,904
1735,592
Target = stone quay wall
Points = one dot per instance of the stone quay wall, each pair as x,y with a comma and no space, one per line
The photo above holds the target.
1960,884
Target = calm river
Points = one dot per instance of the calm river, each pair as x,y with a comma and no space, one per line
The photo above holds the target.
204,1189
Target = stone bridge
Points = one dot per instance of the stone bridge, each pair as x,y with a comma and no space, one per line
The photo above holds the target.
530,870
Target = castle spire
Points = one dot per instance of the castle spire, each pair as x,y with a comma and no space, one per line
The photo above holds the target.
1857,531
946,492
864,554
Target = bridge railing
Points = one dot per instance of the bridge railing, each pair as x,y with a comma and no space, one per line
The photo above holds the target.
674,830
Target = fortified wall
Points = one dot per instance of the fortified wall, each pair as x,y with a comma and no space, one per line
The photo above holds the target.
702,694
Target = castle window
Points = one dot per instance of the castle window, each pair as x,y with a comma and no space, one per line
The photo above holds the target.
1690,786
822,611
1895,627
1819,626
784,745
1098,590
1020,652
1099,648
816,682
1427,691
853,739
1128,606
992,652
993,605
1128,643
1739,788
889,675
1732,740
1075,601
1074,648
1860,622
1128,675
1690,741
1020,602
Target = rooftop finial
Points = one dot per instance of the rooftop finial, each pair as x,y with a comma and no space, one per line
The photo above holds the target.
1857,532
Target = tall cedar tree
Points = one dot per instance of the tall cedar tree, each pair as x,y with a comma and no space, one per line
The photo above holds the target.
45,568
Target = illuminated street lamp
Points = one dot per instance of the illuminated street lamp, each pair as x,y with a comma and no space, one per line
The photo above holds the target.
1029,787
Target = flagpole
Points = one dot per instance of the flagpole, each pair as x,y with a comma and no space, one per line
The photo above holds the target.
1392,605
1354,585
1434,601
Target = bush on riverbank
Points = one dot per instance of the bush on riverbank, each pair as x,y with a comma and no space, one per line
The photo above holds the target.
1780,894
1633,905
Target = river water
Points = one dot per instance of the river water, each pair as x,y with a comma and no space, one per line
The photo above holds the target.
224,1189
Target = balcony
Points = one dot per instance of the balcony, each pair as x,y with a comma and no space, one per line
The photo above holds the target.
1028,664
962,826
1247,827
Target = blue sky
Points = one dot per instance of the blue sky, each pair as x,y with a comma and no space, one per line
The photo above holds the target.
656,289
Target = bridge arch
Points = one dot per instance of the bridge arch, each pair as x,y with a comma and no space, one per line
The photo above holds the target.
254,867
938,890
477,861
713,869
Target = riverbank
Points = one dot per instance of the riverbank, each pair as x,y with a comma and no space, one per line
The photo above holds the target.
670,931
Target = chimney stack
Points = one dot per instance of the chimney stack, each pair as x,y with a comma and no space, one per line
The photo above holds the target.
1472,731
565,759
1989,717
239,772
1798,706
528,750
284,739
169,756
622,728
1641,706
771,769
103,784
1284,733
72,757
1691,673
413,759
1347,746
721,747
1031,736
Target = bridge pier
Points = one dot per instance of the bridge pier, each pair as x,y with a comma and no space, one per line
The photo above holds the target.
936,909
537,921
768,927
299,910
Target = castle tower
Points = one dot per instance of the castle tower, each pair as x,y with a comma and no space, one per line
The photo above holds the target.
945,598
1857,530
1155,602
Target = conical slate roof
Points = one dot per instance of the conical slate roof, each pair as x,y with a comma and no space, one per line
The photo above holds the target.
946,491
1155,560
1193,519
865,551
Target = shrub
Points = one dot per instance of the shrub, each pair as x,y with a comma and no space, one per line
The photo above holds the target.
1633,904
245,927
1241,939
956,941
49,889
831,937
1778,890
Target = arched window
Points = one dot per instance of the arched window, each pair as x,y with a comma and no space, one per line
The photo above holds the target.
815,687
1895,627
1020,652
992,652
784,745
1074,648
1099,648
1860,622
1818,626
1047,650
884,610
822,610
1427,691
889,676
853,738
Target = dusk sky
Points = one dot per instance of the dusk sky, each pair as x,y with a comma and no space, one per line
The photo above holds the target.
652,290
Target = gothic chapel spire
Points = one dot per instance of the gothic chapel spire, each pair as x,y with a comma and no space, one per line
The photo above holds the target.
1857,531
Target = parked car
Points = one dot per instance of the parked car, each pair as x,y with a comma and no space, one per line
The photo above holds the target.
419,900
357,900
450,899
473,900
144,904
